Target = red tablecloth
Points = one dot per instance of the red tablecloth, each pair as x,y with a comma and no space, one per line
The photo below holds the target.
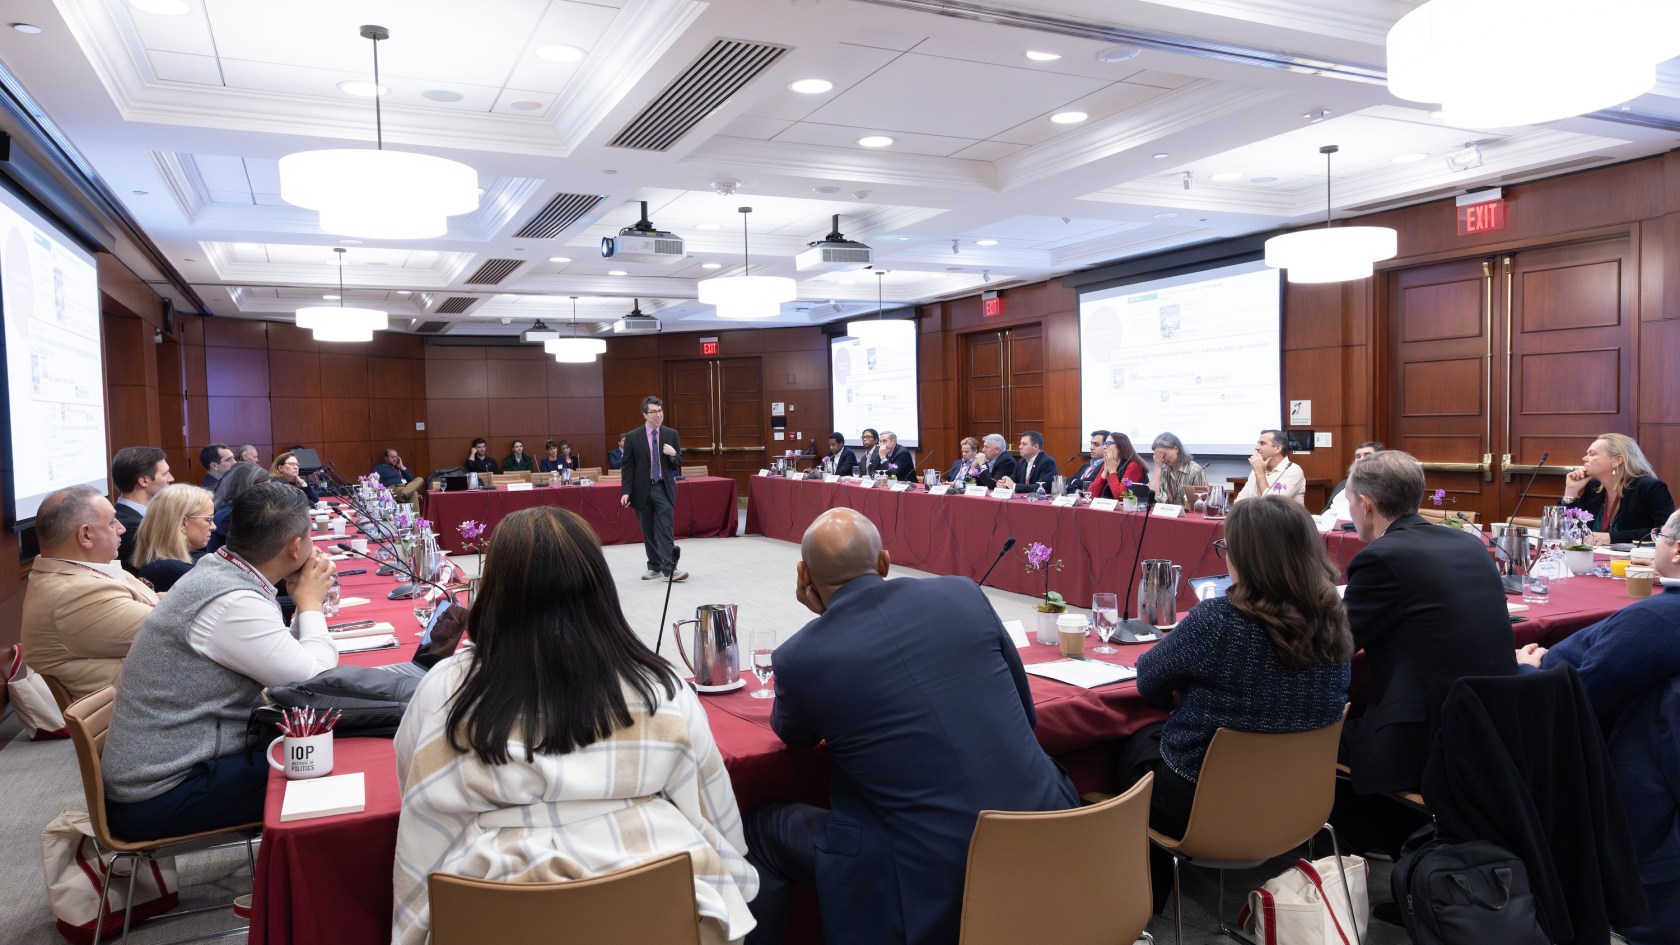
706,508
957,534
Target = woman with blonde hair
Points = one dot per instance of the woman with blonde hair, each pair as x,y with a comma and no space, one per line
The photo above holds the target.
1617,485
560,747
178,524
964,466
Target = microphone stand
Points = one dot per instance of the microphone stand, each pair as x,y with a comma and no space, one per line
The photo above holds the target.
923,461
1513,581
676,556
1134,629
1006,546
404,570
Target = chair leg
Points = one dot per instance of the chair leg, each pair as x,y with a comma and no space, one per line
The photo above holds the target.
1225,927
1178,906
1353,916
104,894
251,861
128,905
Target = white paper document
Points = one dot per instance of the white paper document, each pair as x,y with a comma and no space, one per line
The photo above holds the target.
324,797
363,644
1017,634
1086,674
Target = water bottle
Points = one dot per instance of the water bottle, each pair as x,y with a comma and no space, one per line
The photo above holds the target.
329,603
566,475
554,477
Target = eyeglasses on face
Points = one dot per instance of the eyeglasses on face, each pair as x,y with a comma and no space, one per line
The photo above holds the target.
200,518
1219,548
1658,534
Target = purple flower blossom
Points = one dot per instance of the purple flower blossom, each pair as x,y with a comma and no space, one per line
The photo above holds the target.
1440,497
1037,555
470,529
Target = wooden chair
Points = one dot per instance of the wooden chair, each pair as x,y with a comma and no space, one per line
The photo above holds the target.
60,694
689,472
88,719
650,903
1097,857
587,472
1526,521
1258,796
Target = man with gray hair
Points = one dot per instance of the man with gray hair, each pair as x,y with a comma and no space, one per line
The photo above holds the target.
993,463
890,458
81,609
175,759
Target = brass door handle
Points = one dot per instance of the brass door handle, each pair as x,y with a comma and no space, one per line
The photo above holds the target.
740,449
1485,468
1518,469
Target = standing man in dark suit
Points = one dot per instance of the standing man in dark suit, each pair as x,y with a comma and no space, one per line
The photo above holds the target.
652,462
840,461
1426,605
890,458
924,730
1034,468
139,473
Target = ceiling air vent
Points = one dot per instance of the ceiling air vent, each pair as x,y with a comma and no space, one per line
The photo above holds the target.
456,304
431,328
722,70
494,271
561,212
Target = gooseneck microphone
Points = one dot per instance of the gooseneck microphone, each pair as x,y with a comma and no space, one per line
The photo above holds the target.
1513,581
676,555
1133,629
1010,543
404,570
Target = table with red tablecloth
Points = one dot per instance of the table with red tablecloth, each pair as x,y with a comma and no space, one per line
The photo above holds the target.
706,508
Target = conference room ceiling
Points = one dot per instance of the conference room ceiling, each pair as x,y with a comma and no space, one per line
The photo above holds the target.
184,118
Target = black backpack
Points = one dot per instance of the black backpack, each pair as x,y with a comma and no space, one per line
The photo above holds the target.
372,699
1472,893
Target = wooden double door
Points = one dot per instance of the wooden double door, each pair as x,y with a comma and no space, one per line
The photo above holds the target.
1495,363
717,406
1002,385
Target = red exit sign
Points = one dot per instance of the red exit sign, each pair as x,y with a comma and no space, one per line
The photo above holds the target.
990,304
1481,212
709,346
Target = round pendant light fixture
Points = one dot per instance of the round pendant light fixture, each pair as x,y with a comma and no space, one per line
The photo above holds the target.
342,322
574,349
746,297
1333,253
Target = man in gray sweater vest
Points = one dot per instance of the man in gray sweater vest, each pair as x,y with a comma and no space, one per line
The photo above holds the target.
175,760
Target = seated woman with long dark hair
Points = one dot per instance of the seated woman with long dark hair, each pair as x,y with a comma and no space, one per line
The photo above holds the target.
560,747
1273,655
1121,465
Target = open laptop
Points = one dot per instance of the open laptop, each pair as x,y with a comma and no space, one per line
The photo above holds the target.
414,667
1220,584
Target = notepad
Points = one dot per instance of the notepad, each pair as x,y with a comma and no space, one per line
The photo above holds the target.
352,601
363,644
1086,674
381,627
1017,634
324,797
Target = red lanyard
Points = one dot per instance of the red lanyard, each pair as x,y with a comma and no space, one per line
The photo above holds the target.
243,565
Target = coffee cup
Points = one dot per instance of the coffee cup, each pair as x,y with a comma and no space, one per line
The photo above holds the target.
307,757
1071,628
1640,581
359,545
337,526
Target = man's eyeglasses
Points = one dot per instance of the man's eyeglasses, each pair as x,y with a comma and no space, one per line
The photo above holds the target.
1657,533
1219,548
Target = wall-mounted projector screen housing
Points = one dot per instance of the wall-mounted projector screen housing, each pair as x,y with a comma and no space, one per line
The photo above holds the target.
873,379
1196,354
55,389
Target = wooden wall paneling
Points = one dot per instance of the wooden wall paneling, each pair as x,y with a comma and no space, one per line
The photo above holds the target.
172,414
239,420
294,373
459,419
1062,433
1026,400
1660,443
131,382
1659,379
395,378
344,377
346,421
296,420
235,333
236,372
456,377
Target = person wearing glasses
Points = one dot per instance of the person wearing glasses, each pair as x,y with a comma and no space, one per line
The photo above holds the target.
1121,465
1081,481
1615,483
1176,471
175,531
964,467
1629,664
285,469
1273,655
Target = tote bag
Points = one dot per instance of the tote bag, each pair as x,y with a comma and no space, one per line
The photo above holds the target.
1306,905
75,871
33,701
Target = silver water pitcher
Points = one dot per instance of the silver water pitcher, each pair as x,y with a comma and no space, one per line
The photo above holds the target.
1217,501
1058,485
1516,549
716,659
1158,592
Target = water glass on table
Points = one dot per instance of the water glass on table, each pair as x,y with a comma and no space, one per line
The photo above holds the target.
423,611
762,644
1536,588
1105,614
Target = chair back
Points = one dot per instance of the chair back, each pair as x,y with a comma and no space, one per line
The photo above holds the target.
88,719
1526,521
588,472
1438,516
1096,860
650,904
60,694
689,472
1259,795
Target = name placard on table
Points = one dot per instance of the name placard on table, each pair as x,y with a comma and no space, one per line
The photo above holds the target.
974,490
1003,492
900,487
519,487
1105,505
1167,510
940,489
866,483
1064,501
830,478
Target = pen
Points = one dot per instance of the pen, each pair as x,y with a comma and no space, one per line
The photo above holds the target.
353,571
352,625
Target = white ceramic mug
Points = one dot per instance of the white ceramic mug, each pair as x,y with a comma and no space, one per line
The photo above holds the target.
310,757
359,545
338,526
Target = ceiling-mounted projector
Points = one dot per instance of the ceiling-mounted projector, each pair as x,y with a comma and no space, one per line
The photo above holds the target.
538,332
642,242
636,323
834,253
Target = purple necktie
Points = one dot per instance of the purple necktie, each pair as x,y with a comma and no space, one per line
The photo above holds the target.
653,451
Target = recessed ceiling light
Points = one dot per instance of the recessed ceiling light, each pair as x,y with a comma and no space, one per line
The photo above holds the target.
559,52
705,226
1037,56
1069,118
350,242
1118,53
442,95
1411,158
953,269
379,264
140,193
825,189
1224,176
1165,216
985,242
904,237
874,141
332,298
1160,155
161,7
26,27
810,86
559,259
362,89
711,265
525,104
1262,180
617,272
609,171
1435,114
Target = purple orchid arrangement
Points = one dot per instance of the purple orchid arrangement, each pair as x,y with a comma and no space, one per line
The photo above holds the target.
471,531
1038,560
1578,525
1440,498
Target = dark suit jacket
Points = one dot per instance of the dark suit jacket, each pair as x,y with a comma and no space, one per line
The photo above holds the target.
1003,466
1043,471
1086,475
924,730
1425,603
638,469
900,457
615,459
1646,504
845,462
130,520
210,482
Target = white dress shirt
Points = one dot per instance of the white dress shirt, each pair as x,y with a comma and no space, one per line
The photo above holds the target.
1286,480
240,630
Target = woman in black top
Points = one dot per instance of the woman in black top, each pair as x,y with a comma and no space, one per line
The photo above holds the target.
1274,655
177,527
1616,484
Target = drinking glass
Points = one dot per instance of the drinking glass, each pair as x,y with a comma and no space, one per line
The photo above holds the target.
763,645
423,611
1536,589
1105,613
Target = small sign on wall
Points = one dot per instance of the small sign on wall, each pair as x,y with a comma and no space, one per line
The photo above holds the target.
1300,412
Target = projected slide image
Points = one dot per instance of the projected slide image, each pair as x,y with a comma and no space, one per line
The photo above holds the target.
874,384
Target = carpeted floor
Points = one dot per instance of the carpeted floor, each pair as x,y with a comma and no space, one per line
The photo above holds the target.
40,779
